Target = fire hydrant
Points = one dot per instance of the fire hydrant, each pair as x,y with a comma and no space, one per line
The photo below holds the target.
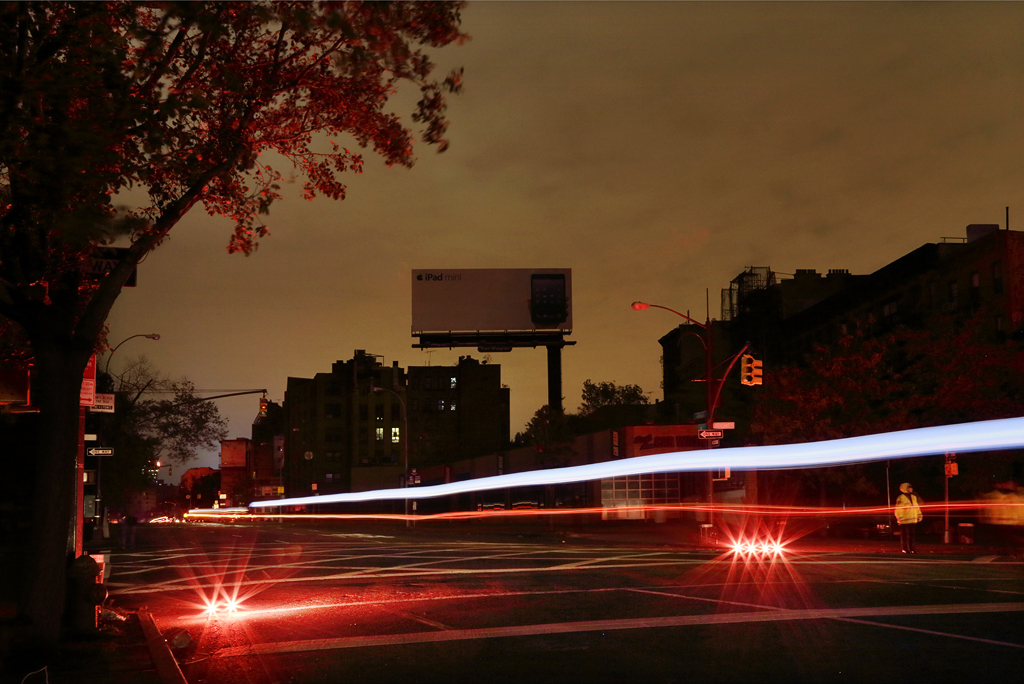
86,593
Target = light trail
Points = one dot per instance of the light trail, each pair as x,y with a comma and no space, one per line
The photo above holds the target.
724,509
988,435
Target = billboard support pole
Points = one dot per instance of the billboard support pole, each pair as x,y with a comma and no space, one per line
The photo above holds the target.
555,376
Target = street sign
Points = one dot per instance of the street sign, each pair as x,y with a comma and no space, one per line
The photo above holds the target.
710,434
104,403
104,260
100,451
724,426
88,393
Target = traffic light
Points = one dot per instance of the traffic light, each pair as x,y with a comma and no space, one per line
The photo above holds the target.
750,370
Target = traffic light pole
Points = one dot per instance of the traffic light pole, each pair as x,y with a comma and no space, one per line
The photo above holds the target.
712,389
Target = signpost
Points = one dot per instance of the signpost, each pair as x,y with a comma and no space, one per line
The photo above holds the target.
951,471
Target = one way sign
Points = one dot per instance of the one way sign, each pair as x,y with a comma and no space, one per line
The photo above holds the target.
100,451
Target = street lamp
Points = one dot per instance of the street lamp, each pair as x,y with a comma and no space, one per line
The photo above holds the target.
709,396
152,336
710,393
99,492
405,443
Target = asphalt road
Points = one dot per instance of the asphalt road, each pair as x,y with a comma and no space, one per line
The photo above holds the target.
349,604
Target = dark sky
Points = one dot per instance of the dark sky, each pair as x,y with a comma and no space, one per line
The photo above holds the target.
657,149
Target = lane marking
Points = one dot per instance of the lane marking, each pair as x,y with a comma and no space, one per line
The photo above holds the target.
608,625
705,599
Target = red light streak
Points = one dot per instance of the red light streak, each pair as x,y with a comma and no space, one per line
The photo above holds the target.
746,510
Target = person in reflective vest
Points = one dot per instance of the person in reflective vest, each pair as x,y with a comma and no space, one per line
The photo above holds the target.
908,514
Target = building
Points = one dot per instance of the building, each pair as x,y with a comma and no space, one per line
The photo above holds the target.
457,412
235,455
784,318
336,422
266,462
980,275
198,487
346,430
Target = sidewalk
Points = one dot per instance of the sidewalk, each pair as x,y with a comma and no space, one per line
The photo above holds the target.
126,649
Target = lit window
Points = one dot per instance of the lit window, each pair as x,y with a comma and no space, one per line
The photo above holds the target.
380,434
440,404
455,382
396,435
452,406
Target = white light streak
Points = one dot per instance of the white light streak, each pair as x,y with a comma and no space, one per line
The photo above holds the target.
989,435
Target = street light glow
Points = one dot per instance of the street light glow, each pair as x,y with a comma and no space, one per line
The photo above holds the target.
988,435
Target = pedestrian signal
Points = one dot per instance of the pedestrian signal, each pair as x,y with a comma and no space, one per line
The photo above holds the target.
750,370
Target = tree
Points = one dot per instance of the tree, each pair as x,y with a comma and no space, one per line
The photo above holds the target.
550,432
142,431
596,395
181,103
902,379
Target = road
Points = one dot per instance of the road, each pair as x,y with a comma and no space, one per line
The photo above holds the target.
376,604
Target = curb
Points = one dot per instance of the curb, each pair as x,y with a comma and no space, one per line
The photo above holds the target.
166,666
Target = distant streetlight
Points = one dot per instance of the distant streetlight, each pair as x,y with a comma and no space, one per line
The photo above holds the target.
152,336
405,442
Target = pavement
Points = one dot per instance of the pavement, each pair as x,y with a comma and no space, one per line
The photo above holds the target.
129,649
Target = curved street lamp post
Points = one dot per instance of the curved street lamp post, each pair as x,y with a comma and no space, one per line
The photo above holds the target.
152,336
712,390
99,493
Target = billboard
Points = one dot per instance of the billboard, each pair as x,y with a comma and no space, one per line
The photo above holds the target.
491,299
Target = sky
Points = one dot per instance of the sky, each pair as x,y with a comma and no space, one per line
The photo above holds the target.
655,148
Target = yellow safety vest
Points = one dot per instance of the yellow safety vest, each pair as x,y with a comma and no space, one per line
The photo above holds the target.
907,510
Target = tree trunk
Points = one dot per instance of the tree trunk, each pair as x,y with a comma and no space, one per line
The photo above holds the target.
56,385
